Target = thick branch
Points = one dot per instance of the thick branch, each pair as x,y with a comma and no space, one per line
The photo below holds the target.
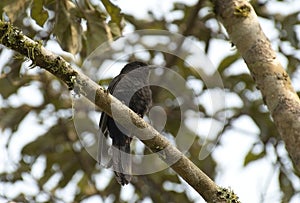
243,28
81,84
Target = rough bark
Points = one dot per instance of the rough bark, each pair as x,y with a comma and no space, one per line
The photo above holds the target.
241,23
13,38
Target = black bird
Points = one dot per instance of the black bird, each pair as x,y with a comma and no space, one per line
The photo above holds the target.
131,87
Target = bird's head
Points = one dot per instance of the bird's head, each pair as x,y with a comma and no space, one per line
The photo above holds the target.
132,66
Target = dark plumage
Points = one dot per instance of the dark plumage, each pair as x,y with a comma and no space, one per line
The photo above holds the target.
131,87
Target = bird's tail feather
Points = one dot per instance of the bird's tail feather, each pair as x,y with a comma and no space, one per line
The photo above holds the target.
104,154
121,161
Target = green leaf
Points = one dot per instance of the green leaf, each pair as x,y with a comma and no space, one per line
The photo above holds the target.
293,63
15,9
12,117
9,89
115,30
67,27
38,13
227,61
48,173
116,16
288,25
69,165
96,32
85,187
10,85
253,157
286,186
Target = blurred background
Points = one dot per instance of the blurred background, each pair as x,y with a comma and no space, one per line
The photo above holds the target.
41,154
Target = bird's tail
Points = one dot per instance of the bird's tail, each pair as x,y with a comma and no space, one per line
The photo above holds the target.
104,155
121,162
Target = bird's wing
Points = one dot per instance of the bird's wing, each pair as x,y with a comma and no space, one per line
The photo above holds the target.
103,124
104,157
104,154
103,118
112,85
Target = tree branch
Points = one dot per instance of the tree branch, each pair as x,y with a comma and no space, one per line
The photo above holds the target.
13,38
241,23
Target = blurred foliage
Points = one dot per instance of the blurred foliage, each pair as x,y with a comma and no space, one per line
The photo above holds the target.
81,26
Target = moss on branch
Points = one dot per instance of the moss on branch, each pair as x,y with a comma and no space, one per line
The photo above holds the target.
13,38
